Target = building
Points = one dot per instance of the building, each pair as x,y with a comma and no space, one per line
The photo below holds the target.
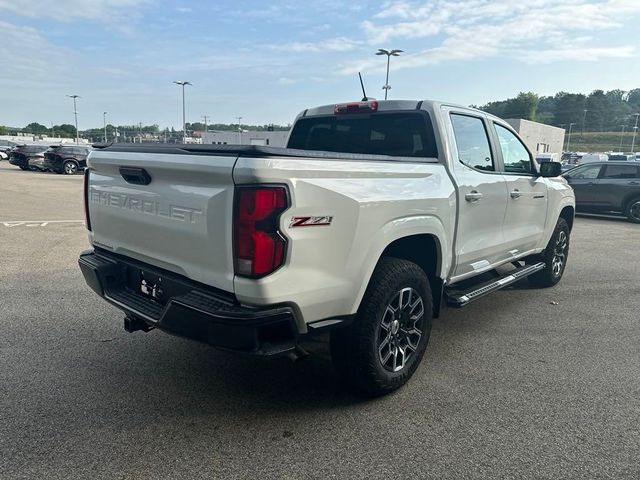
540,138
22,138
247,137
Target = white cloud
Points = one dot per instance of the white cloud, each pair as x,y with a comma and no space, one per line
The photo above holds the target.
339,44
286,81
535,31
67,10
184,9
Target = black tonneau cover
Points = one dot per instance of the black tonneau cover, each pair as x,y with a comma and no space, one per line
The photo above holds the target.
247,151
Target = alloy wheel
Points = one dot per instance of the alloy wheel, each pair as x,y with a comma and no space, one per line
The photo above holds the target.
70,168
559,253
400,329
634,211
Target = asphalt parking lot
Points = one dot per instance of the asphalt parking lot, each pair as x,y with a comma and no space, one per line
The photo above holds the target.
522,384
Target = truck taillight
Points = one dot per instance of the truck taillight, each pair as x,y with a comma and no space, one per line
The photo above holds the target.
258,246
87,220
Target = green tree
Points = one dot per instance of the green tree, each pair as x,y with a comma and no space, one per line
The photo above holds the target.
35,128
65,130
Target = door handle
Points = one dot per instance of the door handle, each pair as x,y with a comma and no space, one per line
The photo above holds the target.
634,183
515,194
473,196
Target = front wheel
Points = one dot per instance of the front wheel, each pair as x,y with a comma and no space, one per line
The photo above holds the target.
554,256
633,210
381,350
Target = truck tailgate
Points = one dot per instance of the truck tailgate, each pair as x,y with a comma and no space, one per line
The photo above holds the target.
180,221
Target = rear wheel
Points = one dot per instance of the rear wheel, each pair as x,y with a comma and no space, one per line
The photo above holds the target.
70,167
554,256
381,350
633,210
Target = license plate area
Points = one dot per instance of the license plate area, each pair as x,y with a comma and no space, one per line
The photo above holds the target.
152,285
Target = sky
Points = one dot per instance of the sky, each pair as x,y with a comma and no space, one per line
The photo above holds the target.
267,61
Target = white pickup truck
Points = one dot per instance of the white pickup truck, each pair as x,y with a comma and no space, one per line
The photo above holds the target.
375,215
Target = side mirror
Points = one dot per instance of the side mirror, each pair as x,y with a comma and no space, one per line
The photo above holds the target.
550,169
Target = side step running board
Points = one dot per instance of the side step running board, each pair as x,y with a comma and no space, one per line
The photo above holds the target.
460,298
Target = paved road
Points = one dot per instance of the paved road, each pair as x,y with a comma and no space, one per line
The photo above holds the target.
513,386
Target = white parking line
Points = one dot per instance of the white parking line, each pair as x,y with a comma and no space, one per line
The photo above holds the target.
36,223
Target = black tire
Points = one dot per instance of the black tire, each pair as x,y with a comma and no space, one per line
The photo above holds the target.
25,168
633,210
554,256
70,167
357,350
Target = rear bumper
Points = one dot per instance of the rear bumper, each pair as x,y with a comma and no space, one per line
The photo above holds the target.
19,161
188,309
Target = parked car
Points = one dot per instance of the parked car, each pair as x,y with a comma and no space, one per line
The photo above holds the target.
4,151
28,157
607,187
547,157
69,159
374,214
592,157
621,157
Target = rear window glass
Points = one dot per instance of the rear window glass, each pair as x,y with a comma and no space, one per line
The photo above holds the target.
395,134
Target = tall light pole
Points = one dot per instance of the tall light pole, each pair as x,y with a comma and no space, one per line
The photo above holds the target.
205,118
184,122
75,113
622,135
569,136
239,130
104,123
389,54
635,131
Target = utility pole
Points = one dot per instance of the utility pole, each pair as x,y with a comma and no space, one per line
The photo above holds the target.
75,113
104,122
205,117
569,136
389,54
239,130
635,131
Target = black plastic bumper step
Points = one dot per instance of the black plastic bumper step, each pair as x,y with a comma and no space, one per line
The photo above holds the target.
460,298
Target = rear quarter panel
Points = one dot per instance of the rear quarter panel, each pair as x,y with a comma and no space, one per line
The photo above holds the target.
371,203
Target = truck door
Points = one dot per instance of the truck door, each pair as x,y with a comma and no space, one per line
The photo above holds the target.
482,194
524,222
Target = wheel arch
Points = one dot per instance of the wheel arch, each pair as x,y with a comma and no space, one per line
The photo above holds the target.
568,213
425,251
421,240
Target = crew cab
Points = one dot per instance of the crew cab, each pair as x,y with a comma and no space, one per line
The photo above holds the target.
375,216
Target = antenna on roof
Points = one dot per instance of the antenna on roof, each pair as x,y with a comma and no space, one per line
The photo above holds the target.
364,94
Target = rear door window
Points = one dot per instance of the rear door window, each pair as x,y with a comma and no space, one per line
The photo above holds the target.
472,142
396,134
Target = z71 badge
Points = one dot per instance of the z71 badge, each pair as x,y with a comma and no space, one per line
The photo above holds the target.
310,221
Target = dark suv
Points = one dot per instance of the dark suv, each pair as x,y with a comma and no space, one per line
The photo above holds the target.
67,159
607,187
28,157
